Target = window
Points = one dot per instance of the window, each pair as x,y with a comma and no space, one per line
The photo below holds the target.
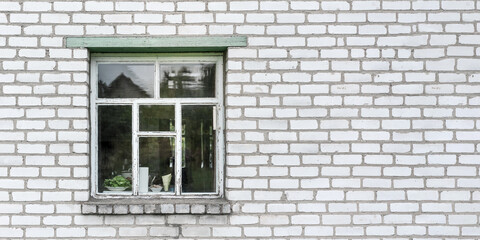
157,125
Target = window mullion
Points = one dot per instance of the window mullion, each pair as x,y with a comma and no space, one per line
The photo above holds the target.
178,149
135,150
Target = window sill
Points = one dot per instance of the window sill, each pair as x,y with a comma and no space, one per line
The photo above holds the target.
158,207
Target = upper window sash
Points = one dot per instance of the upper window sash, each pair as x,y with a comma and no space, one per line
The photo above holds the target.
159,60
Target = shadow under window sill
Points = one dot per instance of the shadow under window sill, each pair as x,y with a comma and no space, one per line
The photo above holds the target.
156,206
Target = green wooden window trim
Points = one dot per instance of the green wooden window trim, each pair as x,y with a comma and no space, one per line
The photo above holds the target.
155,44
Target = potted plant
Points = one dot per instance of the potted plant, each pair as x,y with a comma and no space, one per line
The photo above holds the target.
117,183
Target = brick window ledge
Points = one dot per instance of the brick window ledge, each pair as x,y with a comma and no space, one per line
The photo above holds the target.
157,206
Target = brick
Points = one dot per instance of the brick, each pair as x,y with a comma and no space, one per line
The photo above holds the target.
190,6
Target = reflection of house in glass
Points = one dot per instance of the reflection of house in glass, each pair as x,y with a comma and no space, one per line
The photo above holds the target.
121,87
126,80
188,80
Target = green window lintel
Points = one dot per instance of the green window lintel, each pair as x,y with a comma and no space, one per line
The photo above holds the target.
156,44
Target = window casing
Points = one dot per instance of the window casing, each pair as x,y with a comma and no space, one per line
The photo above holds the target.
170,119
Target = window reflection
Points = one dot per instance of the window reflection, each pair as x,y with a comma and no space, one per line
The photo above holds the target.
157,118
115,143
187,80
199,137
157,159
126,80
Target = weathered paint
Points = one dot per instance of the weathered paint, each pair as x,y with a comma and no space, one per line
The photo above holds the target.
156,44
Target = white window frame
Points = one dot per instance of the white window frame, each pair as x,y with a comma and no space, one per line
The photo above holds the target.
219,120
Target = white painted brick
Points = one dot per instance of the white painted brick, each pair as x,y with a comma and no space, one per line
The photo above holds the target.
462,219
283,65
250,29
41,184
381,17
272,53
98,6
64,6
41,65
191,29
69,30
25,220
10,6
260,112
118,18
290,18
244,5
160,30
312,29
198,18
24,17
29,101
10,30
176,18
57,220
129,6
220,29
132,231
7,148
160,6
25,196
217,6
101,231
51,41
31,148
6,124
272,207
411,17
342,29
314,65
227,231
260,41
190,6
274,5
86,18
148,18
37,6
457,5
257,231
296,77
70,232
128,29
31,53
304,5
335,5
321,41
229,18
297,101
55,18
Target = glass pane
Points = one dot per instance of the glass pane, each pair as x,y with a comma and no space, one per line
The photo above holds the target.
157,164
198,172
157,118
126,80
114,148
187,81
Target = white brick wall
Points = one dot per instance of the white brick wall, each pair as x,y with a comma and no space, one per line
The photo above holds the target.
345,119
